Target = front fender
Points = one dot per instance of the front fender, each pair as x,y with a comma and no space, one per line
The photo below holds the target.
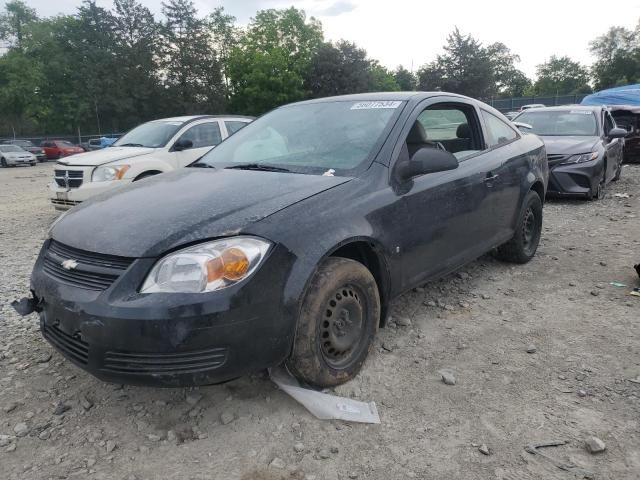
142,165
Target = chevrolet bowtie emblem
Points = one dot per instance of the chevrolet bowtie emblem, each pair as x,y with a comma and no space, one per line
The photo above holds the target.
69,264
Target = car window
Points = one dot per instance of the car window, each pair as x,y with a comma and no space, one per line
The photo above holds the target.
203,135
451,126
64,143
10,148
498,131
576,122
234,125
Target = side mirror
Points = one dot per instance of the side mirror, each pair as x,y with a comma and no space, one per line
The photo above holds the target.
182,144
617,133
428,160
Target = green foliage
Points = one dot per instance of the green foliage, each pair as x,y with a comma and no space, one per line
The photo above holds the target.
405,79
561,75
270,64
381,79
15,22
617,54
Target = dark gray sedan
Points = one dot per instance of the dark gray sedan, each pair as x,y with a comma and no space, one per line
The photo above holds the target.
288,241
584,147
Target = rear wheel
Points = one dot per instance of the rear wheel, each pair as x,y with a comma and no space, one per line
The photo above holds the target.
524,243
338,321
3,162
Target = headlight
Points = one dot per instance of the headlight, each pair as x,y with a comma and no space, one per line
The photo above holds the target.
109,172
207,267
580,158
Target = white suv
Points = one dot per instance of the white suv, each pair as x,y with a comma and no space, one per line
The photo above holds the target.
151,148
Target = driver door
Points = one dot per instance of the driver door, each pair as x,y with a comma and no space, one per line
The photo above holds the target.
203,136
447,211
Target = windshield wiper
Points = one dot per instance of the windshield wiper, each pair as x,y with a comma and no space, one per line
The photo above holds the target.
130,145
258,167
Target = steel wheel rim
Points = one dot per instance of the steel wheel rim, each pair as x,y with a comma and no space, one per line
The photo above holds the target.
342,326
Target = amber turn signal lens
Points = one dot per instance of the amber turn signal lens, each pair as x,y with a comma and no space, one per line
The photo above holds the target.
235,264
121,171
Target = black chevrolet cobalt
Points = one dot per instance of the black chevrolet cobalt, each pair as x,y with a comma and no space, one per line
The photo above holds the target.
288,241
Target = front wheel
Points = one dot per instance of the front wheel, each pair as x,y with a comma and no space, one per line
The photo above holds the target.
618,171
601,188
3,162
338,321
524,243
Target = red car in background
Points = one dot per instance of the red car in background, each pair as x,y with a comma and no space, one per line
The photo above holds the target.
59,148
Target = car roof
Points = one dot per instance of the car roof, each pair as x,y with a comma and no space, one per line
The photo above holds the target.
586,108
380,96
192,118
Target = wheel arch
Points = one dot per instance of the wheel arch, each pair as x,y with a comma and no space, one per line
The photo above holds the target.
369,253
538,187
147,173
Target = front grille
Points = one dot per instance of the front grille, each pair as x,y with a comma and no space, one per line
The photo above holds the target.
91,271
164,363
71,346
68,178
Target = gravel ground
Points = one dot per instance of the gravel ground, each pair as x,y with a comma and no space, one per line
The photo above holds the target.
546,352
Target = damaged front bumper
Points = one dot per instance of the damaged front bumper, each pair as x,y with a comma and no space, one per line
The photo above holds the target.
161,339
579,179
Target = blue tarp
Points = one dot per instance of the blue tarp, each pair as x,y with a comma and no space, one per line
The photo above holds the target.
627,95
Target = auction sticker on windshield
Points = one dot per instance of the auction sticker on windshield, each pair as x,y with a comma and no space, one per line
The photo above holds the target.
376,104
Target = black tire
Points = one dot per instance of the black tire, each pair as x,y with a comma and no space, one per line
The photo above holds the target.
618,171
601,188
3,162
338,321
33,164
524,243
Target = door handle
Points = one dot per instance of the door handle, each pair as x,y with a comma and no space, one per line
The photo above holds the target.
490,176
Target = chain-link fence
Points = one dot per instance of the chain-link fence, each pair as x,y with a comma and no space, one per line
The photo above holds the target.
514,103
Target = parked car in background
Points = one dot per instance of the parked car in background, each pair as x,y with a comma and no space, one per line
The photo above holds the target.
29,147
287,243
531,105
584,147
511,115
98,143
12,155
628,117
56,149
149,149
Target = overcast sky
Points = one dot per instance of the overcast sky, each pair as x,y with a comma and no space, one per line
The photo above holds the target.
412,32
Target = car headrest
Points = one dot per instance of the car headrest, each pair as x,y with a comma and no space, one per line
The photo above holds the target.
463,131
417,135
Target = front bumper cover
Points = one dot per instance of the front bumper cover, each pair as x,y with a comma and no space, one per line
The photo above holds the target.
121,336
579,179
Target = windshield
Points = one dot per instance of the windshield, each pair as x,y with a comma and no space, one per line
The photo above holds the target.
154,134
309,138
10,148
64,143
560,122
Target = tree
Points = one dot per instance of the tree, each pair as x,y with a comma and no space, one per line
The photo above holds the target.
561,75
270,65
14,22
189,62
226,36
405,79
381,79
338,69
509,81
617,54
136,37
19,81
464,68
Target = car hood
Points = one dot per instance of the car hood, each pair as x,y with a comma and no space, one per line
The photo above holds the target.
106,155
150,217
556,145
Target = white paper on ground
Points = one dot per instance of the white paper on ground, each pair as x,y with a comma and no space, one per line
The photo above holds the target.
322,405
